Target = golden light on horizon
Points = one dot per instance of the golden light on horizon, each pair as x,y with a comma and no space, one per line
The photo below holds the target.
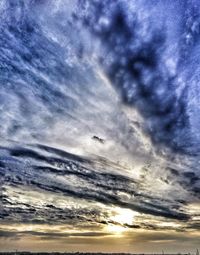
116,229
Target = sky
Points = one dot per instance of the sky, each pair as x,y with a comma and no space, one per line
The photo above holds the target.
99,125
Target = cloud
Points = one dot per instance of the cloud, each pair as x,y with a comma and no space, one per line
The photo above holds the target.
135,57
48,236
74,177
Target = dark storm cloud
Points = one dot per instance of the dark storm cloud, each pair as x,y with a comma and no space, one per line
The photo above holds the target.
135,62
189,180
48,213
90,184
104,185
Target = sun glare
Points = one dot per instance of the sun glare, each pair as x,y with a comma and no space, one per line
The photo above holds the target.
123,216
119,219
115,229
